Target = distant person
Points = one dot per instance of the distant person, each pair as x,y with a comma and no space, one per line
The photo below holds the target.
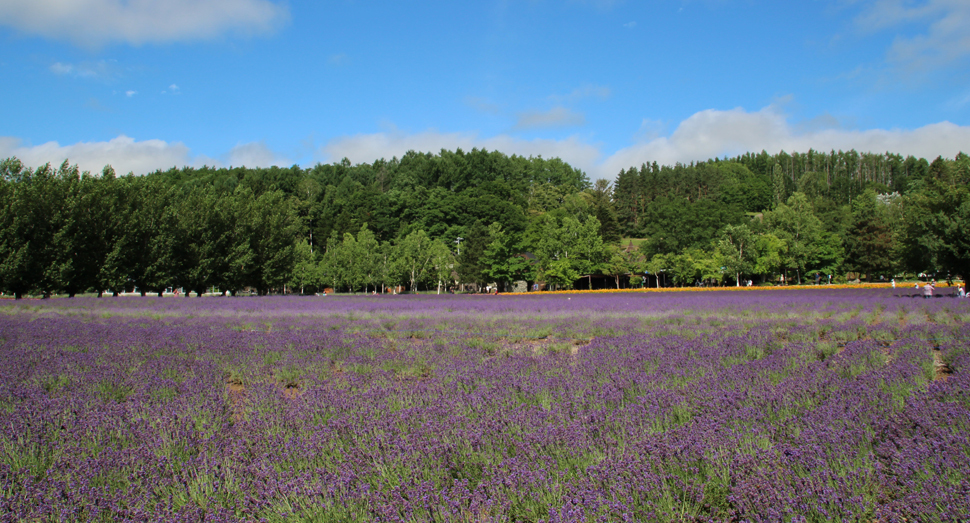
894,283
961,293
928,291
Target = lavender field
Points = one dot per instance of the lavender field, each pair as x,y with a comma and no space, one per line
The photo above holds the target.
802,405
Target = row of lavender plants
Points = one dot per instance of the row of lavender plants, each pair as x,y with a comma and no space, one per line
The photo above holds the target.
723,406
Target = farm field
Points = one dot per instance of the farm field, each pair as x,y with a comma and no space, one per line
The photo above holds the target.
800,405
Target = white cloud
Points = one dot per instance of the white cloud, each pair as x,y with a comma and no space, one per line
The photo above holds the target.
123,153
704,135
96,22
254,154
713,133
369,147
555,117
944,40
126,155
649,130
129,93
630,25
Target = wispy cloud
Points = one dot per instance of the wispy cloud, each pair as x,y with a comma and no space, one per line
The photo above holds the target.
960,101
601,92
96,105
555,117
942,26
97,22
630,25
599,4
650,129
61,69
103,70
483,105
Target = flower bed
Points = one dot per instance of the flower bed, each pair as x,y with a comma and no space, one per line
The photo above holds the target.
822,405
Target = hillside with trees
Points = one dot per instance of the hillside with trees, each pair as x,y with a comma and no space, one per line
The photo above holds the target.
436,221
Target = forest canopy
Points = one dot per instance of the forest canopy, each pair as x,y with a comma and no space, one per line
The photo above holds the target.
434,221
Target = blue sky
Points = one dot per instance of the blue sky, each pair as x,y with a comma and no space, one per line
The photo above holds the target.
603,84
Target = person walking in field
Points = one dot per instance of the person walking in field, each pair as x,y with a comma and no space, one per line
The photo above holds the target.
928,291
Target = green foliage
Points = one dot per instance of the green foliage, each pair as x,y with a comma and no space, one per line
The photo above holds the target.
795,223
869,245
70,232
736,250
936,224
414,256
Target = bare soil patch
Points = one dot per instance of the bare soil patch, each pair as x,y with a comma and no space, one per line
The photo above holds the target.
539,346
942,370
237,398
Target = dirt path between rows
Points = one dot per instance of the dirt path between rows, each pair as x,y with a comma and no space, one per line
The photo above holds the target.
941,370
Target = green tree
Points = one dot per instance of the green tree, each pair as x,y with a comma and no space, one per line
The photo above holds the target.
795,223
471,267
769,251
349,254
69,236
937,222
241,268
414,257
388,274
442,264
366,258
275,234
601,196
574,247
502,261
305,268
332,264
106,222
27,245
682,269
869,246
657,265
736,250
622,261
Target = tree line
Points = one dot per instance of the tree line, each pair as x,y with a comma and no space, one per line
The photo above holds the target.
433,221
799,215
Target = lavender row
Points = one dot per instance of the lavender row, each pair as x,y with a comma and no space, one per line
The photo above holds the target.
723,406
